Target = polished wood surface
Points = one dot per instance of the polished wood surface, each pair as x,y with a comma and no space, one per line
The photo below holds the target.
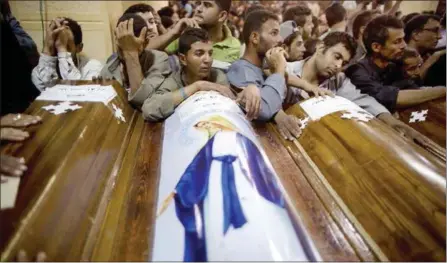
394,189
434,126
72,161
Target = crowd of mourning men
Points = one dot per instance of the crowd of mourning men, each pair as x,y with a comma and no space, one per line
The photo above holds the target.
262,55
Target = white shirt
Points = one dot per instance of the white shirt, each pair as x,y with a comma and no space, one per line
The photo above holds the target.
46,71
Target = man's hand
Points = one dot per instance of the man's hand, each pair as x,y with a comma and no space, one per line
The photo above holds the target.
309,88
414,135
184,23
11,134
19,120
52,31
12,166
250,99
65,41
276,59
126,39
288,125
202,85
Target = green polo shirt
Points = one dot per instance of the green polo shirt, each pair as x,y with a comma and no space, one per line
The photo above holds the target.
227,50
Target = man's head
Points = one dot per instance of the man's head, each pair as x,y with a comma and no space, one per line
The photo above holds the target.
195,52
147,13
293,41
360,21
138,24
261,32
252,8
335,14
384,38
408,17
333,53
302,15
212,13
423,32
411,63
76,30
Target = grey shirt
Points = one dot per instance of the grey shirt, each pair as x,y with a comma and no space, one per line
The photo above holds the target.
161,104
273,88
153,76
342,86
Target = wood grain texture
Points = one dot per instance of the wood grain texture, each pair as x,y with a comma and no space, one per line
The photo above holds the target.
70,158
434,126
395,189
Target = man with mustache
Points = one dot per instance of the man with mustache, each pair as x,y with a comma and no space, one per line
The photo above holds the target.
195,54
422,33
384,42
323,69
212,16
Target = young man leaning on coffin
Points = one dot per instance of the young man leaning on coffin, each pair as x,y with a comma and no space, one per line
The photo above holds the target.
195,54
323,69
140,71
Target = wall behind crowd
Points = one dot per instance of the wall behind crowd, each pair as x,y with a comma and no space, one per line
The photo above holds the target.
98,18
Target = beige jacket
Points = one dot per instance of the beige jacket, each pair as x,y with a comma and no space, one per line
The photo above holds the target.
153,75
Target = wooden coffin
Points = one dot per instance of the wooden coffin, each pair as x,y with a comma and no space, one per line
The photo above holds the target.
431,123
392,190
73,161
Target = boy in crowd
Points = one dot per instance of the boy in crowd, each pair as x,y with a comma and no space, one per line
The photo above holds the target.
336,18
61,57
139,70
302,15
195,54
384,42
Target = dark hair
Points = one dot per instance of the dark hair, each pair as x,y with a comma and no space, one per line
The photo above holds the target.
361,20
166,21
224,5
408,17
254,22
335,13
298,14
75,29
347,40
5,8
166,11
289,40
253,8
416,24
377,30
139,8
410,53
311,47
191,36
138,22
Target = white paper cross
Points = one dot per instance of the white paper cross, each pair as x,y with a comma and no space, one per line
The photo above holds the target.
62,107
118,113
358,115
418,116
303,122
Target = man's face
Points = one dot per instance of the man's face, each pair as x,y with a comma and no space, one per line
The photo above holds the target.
331,61
198,59
412,66
430,34
296,49
151,25
269,37
394,45
308,26
207,13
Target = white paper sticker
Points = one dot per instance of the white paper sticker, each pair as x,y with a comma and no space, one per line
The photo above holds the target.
9,191
93,93
317,108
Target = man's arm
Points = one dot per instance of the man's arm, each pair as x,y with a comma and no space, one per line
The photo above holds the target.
67,68
272,91
144,87
44,72
430,62
361,78
134,71
165,41
408,98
